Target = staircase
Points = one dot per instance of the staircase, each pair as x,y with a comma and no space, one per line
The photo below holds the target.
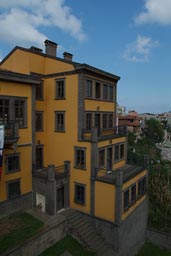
86,233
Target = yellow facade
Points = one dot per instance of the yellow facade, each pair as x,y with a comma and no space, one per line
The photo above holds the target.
23,147
105,201
89,128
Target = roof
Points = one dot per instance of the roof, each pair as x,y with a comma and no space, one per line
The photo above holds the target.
79,67
7,75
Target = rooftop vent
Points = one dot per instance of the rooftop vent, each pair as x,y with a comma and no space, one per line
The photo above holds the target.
67,56
50,48
35,49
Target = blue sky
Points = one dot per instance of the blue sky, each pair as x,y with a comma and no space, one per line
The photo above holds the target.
131,39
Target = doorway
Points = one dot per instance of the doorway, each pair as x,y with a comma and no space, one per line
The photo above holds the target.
60,198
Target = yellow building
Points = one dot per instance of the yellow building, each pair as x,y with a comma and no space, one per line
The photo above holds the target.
78,146
16,107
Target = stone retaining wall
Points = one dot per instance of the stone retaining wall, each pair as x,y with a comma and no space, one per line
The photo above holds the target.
43,240
161,239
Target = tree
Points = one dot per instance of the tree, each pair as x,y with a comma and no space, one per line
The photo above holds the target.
153,132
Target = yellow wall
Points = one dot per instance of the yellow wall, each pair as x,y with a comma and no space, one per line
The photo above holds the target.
23,61
105,201
25,137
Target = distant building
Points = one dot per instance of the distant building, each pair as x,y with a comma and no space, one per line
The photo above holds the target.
132,121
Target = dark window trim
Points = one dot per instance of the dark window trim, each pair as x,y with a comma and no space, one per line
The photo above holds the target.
82,167
126,207
131,187
120,158
64,121
7,188
84,196
57,97
7,159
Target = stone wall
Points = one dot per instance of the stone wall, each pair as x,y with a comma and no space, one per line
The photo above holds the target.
17,204
161,239
43,240
128,237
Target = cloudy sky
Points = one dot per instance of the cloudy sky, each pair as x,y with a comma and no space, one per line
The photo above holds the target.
131,39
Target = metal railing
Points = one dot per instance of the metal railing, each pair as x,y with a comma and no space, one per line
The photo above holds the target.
11,132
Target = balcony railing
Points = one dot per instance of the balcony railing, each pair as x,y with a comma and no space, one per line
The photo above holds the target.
53,172
11,133
102,134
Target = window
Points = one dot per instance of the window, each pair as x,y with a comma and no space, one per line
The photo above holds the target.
89,88
122,149
110,120
119,152
88,121
39,91
105,91
126,200
39,157
80,159
12,163
142,186
80,192
111,93
101,158
13,189
59,121
133,193
39,121
60,89
20,111
4,111
97,90
104,121
116,152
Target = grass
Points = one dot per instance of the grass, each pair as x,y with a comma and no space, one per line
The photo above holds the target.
67,244
149,249
16,229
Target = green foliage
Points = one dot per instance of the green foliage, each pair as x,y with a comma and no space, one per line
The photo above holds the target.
17,228
153,132
150,249
131,139
67,244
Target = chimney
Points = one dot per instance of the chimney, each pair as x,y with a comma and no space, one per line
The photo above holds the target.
50,48
67,56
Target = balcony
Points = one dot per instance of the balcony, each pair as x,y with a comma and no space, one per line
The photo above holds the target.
96,134
11,133
52,172
124,173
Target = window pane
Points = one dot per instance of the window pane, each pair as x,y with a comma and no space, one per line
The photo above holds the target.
97,90
4,111
101,158
60,88
19,112
80,194
89,88
39,121
122,151
111,121
60,122
13,163
39,91
88,121
104,121
126,199
105,91
111,93
117,153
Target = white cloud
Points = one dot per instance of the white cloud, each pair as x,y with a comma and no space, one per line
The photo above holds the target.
140,49
156,11
21,21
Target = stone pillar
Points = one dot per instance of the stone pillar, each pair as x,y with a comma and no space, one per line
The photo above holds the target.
67,167
51,172
118,197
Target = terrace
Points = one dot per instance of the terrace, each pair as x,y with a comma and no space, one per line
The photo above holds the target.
103,134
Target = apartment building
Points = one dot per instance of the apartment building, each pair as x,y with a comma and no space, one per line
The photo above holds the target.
16,107
79,154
